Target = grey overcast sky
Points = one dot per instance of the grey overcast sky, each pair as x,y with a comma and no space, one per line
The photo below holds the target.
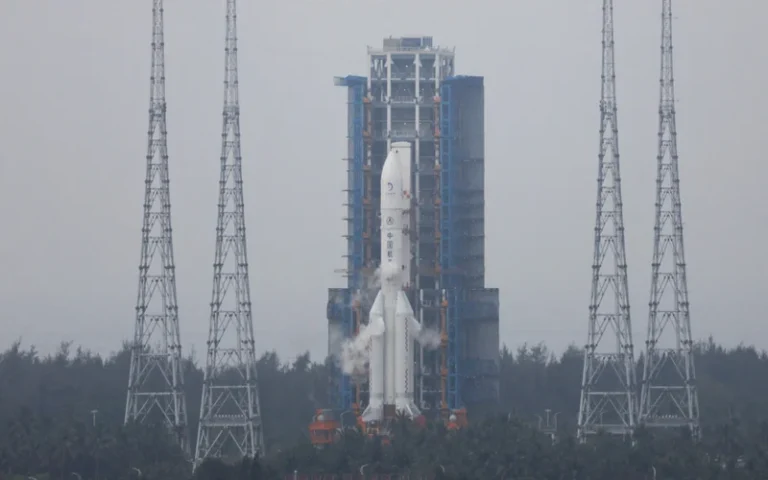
73,121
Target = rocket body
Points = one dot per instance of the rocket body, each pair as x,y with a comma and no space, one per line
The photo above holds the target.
391,376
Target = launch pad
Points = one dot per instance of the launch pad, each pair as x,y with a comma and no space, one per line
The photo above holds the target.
328,426
412,96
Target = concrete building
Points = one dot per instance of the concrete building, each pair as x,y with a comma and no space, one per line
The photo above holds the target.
412,94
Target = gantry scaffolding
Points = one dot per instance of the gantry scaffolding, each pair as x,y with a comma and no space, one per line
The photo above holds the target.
413,95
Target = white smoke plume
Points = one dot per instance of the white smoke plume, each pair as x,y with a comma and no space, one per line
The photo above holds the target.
365,296
429,338
355,352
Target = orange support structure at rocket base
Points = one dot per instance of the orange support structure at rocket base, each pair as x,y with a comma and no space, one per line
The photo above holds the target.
457,419
324,428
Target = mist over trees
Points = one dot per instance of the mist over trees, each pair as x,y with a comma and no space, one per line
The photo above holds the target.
61,416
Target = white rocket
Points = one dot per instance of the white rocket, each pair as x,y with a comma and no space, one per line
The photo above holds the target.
391,317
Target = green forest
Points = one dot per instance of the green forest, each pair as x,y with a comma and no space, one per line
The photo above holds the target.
62,418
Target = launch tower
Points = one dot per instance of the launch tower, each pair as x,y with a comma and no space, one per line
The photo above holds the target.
413,95
230,413
669,397
608,396
156,377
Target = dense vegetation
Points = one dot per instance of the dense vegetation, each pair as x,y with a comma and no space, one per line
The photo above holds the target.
61,417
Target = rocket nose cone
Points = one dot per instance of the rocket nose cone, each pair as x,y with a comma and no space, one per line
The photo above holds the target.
391,162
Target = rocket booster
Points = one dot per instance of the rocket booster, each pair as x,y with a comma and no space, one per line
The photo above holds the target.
391,361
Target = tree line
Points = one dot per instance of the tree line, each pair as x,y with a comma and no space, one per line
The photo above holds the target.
61,416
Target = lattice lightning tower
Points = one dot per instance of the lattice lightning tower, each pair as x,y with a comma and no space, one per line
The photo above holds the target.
156,378
230,416
669,397
608,398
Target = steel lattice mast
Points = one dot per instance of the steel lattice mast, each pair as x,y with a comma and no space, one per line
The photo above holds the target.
156,378
608,398
669,397
230,415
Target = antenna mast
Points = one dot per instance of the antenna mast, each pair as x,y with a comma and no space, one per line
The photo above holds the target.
608,398
669,397
156,378
230,415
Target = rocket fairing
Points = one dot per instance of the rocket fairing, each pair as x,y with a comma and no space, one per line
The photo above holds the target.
391,376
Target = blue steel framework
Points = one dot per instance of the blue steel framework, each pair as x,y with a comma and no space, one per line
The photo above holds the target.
469,379
447,254
468,375
343,394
